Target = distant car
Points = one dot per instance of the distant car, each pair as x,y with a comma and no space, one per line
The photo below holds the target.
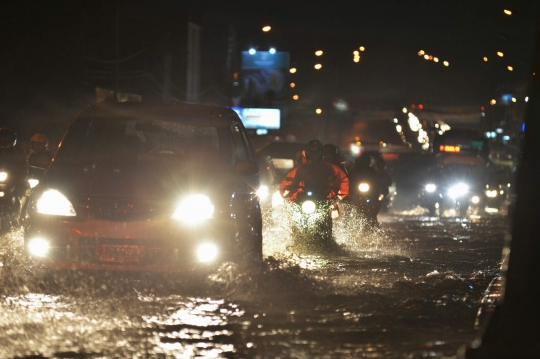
147,187
284,156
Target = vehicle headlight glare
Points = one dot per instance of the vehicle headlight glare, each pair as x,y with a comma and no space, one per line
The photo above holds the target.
194,209
475,199
262,192
39,247
308,207
3,176
54,203
492,193
458,190
33,182
207,252
277,200
430,188
363,187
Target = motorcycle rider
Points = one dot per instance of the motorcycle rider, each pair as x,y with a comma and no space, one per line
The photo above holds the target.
332,154
39,143
364,173
315,173
13,159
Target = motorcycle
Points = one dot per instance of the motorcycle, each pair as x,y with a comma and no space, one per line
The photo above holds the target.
10,204
367,196
312,215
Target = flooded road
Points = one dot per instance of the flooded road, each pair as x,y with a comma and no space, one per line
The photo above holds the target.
409,290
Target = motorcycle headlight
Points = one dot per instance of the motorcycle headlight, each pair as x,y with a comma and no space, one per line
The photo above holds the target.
430,187
194,209
277,200
308,207
54,203
475,199
3,176
363,187
458,190
492,193
262,192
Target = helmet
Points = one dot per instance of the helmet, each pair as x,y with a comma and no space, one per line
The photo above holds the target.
8,137
314,151
39,142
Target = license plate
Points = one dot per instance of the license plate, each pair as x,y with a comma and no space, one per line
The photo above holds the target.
120,253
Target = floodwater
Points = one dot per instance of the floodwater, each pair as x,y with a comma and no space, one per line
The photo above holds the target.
409,290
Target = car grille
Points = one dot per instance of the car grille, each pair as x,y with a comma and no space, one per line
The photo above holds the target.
119,209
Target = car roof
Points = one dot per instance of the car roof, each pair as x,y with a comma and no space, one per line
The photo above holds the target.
172,111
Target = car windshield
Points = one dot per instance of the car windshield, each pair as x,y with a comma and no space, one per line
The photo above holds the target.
128,140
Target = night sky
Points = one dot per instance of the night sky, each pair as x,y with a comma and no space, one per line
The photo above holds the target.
47,71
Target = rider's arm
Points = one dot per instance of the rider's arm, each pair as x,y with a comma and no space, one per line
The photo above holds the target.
344,184
286,186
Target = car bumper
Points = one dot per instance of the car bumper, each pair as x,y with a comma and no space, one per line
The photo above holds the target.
152,245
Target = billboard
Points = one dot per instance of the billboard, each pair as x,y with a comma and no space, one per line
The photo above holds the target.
264,77
259,118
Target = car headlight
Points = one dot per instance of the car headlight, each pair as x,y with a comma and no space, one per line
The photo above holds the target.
308,207
54,203
262,192
39,247
194,209
492,193
207,252
363,187
32,182
430,187
3,176
277,200
458,190
475,199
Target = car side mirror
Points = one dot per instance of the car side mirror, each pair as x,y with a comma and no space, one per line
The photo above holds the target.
39,160
246,168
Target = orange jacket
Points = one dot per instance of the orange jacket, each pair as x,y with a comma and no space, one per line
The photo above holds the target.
321,175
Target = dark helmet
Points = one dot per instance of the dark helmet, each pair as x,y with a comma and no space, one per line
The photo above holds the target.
8,137
332,154
363,160
39,142
314,151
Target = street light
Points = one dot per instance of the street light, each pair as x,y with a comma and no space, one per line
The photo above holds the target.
362,48
514,99
292,70
404,110
436,59
272,50
421,53
426,57
293,84
485,59
493,102
318,53
510,68
446,63
500,54
252,51
507,12
318,111
267,28
295,97
318,66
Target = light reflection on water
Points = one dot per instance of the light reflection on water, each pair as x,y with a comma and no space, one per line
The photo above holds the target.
407,290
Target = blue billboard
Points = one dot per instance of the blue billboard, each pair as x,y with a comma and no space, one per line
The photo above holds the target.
259,118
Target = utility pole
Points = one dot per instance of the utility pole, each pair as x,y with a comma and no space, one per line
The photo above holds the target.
116,48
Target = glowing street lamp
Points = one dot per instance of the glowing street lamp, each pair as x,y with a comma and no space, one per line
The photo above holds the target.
485,59
514,99
267,28
318,53
493,102
293,84
500,54
421,53
404,110
318,111
318,66
436,59
362,48
510,68
292,70
295,97
426,57
507,12
446,63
